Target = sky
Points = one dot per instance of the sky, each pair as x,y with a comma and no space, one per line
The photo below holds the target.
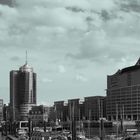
72,44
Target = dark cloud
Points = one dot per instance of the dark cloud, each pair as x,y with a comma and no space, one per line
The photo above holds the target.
105,15
75,9
130,5
7,2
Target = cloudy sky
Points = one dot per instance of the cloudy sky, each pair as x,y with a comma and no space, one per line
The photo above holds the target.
72,44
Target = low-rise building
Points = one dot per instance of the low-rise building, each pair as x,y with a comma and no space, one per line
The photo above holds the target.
39,115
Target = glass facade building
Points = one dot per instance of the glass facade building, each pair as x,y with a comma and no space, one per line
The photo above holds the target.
123,94
22,92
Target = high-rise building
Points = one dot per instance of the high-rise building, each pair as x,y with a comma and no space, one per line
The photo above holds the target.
94,107
22,92
123,94
1,109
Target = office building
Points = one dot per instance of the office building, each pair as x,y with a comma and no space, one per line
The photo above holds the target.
73,109
6,112
94,107
123,94
59,110
22,92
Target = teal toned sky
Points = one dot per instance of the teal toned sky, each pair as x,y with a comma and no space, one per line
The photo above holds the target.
72,44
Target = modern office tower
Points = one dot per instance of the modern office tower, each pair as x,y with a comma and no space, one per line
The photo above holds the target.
94,107
123,94
1,109
22,92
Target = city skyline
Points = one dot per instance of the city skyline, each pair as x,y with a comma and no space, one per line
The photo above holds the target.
72,45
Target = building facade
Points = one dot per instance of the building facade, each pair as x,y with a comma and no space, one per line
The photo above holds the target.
94,107
59,110
66,111
39,115
73,109
6,112
123,94
22,92
1,109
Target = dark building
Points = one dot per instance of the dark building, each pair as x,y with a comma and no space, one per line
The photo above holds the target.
66,110
94,107
6,112
52,116
39,115
1,109
123,93
22,92
81,110
74,109
59,109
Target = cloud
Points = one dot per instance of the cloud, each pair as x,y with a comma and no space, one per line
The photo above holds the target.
70,36
81,77
7,2
62,69
15,58
127,5
47,80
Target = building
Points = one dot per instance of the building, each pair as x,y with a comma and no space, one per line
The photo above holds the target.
123,94
91,108
39,115
22,92
6,112
59,109
52,116
1,109
74,109
94,107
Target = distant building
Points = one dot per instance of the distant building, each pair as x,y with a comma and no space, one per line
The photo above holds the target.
59,109
22,92
74,109
52,116
94,107
91,108
39,115
123,93
6,113
81,110
1,109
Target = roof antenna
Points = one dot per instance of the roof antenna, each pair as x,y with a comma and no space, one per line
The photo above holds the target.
26,62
